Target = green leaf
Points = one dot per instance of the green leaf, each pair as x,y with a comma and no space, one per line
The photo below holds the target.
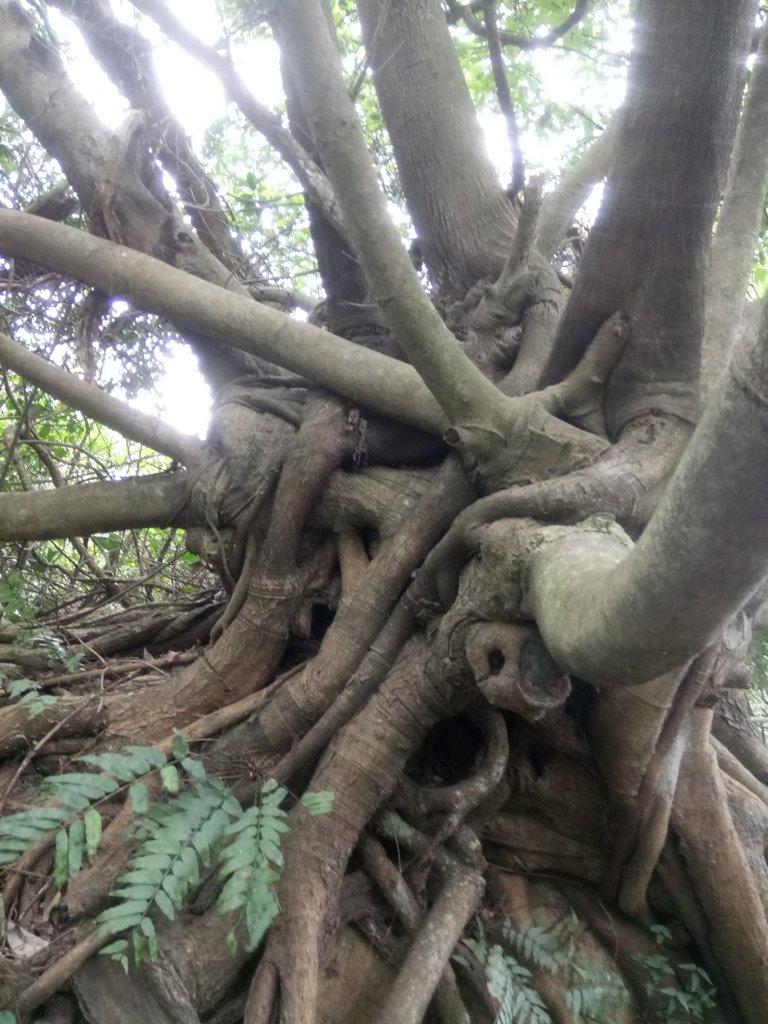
169,775
120,918
127,767
139,798
165,904
139,946
76,846
179,747
117,951
194,768
92,822
77,789
61,859
318,803
148,929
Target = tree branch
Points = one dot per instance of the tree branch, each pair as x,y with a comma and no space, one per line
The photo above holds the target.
560,206
474,24
456,383
312,179
647,252
148,430
368,378
504,97
738,227
82,509
611,616
464,219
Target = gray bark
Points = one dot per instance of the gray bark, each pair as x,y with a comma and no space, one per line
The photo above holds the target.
738,227
647,253
613,617
463,218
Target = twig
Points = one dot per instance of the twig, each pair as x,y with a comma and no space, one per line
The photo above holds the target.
504,96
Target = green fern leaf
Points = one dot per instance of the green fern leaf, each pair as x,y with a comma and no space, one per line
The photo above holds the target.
76,846
139,798
126,767
169,776
318,803
121,917
19,831
93,824
248,862
179,747
78,790
117,951
148,929
165,866
61,859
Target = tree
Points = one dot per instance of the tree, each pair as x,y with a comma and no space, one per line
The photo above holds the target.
489,571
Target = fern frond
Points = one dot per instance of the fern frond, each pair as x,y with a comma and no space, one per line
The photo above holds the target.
601,995
509,982
250,864
20,831
175,838
542,947
79,794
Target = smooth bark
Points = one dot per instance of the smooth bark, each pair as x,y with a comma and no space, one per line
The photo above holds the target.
82,509
139,426
464,220
373,380
738,227
647,252
618,618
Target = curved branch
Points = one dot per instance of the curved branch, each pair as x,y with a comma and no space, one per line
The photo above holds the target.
475,25
82,509
615,617
148,430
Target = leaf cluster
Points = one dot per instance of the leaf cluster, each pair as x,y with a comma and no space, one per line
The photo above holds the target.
198,825
592,994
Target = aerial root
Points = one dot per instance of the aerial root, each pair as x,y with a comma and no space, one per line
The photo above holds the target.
458,801
401,899
432,947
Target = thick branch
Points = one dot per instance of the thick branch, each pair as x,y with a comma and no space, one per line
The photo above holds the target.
373,380
647,252
738,227
463,218
562,204
309,48
82,509
612,617
148,430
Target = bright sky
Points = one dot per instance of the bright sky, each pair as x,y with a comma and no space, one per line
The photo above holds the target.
197,99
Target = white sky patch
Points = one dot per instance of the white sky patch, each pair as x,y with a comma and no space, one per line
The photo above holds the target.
182,397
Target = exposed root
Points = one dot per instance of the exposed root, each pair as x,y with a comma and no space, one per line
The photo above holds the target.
729,894
624,482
